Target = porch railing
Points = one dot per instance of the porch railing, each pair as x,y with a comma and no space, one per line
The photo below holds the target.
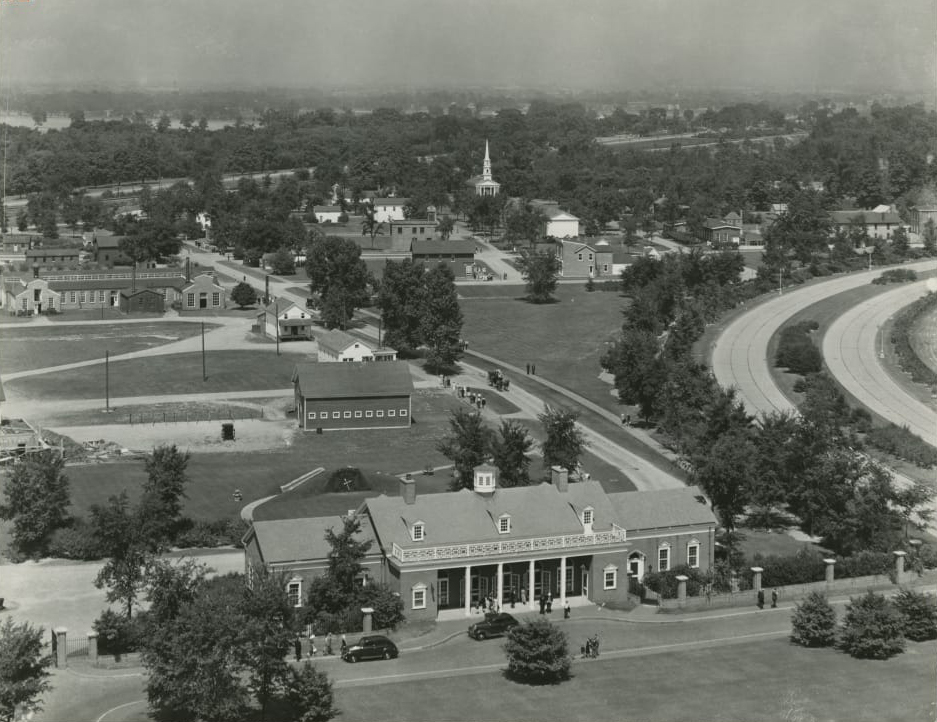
509,546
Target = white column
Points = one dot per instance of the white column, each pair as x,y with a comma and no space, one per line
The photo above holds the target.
562,581
468,590
531,602
500,584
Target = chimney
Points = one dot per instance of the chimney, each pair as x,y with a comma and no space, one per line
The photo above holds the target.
408,489
559,477
188,274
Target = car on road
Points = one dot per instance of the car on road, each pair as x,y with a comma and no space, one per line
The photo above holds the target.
373,646
494,625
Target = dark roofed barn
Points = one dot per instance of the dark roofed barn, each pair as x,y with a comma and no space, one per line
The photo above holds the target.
333,397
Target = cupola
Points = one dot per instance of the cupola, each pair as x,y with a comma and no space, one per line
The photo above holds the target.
485,479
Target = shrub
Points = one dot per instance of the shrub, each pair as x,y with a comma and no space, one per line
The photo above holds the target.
899,441
804,567
901,339
76,541
896,275
814,622
665,583
387,606
864,564
308,696
796,352
538,653
208,534
118,634
873,628
919,614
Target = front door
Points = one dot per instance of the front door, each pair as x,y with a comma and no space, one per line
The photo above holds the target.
585,582
115,299
203,300
479,588
443,585
636,567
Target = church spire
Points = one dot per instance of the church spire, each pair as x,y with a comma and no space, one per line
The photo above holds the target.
486,168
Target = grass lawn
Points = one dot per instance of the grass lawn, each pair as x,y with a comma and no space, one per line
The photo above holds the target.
37,346
236,370
162,413
565,340
770,542
766,680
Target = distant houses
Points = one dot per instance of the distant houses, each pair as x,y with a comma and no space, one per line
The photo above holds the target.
339,346
286,319
877,223
459,255
557,222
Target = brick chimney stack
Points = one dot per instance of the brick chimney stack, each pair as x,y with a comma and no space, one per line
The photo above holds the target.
559,477
408,489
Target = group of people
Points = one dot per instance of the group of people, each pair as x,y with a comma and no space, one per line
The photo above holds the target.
475,399
313,650
761,598
591,648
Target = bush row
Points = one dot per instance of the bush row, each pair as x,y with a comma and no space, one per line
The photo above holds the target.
901,339
895,275
900,442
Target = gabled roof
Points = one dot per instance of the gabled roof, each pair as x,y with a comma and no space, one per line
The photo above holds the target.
117,284
107,241
456,247
390,201
732,216
289,540
337,381
465,516
663,508
338,341
43,252
326,209
130,294
203,279
714,224
277,307
868,217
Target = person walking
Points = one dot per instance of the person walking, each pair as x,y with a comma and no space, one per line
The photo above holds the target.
774,598
761,598
550,603
566,609
312,645
513,597
533,369
543,602
344,647
528,369
298,648
328,644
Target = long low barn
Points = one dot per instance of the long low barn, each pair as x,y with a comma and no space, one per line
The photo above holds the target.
342,396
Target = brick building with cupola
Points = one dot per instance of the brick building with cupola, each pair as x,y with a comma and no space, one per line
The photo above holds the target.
443,552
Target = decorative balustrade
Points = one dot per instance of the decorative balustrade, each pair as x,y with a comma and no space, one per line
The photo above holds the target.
508,546
168,273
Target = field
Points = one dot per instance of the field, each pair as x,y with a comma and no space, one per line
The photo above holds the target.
158,375
34,347
765,680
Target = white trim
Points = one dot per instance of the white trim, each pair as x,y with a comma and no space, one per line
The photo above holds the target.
693,544
418,526
613,570
665,547
414,591
501,523
298,583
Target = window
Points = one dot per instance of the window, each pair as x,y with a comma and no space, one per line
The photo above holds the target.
587,515
610,577
421,230
81,297
663,559
590,256
419,531
357,414
692,554
312,414
368,414
403,412
419,597
391,412
336,414
380,414
190,300
580,256
72,297
294,593
92,296
604,268
504,524
346,414
399,230
216,299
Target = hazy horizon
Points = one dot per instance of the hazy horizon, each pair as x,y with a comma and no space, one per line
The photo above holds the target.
796,45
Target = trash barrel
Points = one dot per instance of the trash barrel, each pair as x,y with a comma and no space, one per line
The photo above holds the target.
227,431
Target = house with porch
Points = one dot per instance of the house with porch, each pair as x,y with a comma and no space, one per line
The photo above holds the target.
444,552
337,345
286,319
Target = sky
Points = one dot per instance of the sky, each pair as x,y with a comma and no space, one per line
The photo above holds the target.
802,45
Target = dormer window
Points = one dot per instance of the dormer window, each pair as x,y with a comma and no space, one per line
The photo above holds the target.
504,524
418,532
587,515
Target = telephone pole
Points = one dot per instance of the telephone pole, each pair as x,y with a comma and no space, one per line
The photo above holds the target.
204,374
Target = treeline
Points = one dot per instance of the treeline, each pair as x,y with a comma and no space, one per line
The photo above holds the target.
806,465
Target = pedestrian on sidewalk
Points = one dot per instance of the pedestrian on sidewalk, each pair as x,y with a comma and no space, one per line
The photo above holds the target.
344,647
533,369
528,369
312,645
566,610
543,602
328,644
761,598
774,598
298,648
550,603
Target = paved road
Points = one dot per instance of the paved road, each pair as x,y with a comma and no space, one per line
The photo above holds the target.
850,351
740,355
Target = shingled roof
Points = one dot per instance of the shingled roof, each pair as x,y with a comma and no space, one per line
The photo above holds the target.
339,381
291,540
662,508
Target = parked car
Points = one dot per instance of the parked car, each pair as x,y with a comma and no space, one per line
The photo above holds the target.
374,646
494,625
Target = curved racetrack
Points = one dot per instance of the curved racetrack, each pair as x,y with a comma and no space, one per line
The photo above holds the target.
740,355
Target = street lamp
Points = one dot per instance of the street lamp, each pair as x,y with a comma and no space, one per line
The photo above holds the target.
870,250
780,286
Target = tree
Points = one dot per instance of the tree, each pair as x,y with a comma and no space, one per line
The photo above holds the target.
564,442
338,276
160,507
873,628
244,294
309,696
401,301
540,271
724,470
370,226
814,622
445,227
929,237
919,613
23,670
509,452
117,529
22,220
538,653
636,363
282,263
346,552
900,242
441,319
467,445
37,499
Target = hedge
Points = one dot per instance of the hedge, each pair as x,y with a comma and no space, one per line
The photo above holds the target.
901,339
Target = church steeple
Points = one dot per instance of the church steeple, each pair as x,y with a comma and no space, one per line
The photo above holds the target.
486,185
486,168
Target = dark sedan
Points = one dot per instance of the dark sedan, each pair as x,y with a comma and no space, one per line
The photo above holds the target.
374,646
494,625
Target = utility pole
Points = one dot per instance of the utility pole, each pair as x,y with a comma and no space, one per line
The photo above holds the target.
107,381
780,287
276,317
204,374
